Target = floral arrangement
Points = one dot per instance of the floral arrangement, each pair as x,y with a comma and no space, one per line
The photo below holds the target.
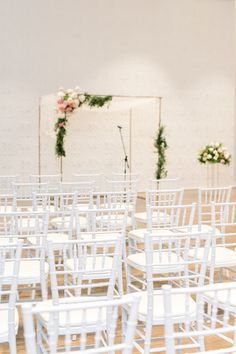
214,153
68,101
161,145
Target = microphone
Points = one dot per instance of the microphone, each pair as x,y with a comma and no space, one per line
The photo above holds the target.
118,126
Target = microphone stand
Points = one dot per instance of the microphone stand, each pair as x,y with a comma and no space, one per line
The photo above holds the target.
126,162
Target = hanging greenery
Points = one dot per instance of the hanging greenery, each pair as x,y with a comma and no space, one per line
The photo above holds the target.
68,101
161,145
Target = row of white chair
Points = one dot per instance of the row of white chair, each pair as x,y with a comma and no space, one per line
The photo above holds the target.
169,219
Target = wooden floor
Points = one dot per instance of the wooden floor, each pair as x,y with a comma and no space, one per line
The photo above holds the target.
190,196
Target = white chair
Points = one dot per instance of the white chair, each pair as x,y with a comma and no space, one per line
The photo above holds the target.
128,186
160,198
95,325
6,183
88,267
163,220
9,255
223,217
96,178
206,196
118,199
199,332
53,181
166,260
28,226
54,201
83,190
169,255
164,183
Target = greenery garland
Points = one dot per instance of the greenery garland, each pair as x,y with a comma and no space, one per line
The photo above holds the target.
161,145
68,101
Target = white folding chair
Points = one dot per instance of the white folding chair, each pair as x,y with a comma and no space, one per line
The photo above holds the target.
199,331
166,260
160,198
163,220
9,258
53,181
94,323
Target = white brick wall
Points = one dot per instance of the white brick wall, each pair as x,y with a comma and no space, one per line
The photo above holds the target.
182,50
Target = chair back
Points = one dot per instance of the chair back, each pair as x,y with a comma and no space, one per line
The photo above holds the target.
202,332
87,267
206,196
171,216
97,326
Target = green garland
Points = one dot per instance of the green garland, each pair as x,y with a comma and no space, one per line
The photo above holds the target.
161,145
61,124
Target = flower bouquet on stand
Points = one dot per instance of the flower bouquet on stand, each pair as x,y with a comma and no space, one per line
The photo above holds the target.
213,155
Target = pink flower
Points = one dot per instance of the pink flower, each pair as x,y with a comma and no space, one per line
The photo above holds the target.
61,125
222,162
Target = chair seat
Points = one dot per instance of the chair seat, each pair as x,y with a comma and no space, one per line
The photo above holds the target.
80,206
178,306
101,236
223,296
224,257
102,266
4,321
40,209
118,222
29,271
51,236
204,228
142,217
163,262
140,233
93,316
64,222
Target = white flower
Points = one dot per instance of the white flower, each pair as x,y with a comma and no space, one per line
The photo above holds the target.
220,150
215,158
82,98
226,156
70,99
69,91
217,144
76,102
78,89
204,158
215,152
209,156
60,94
211,149
74,95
